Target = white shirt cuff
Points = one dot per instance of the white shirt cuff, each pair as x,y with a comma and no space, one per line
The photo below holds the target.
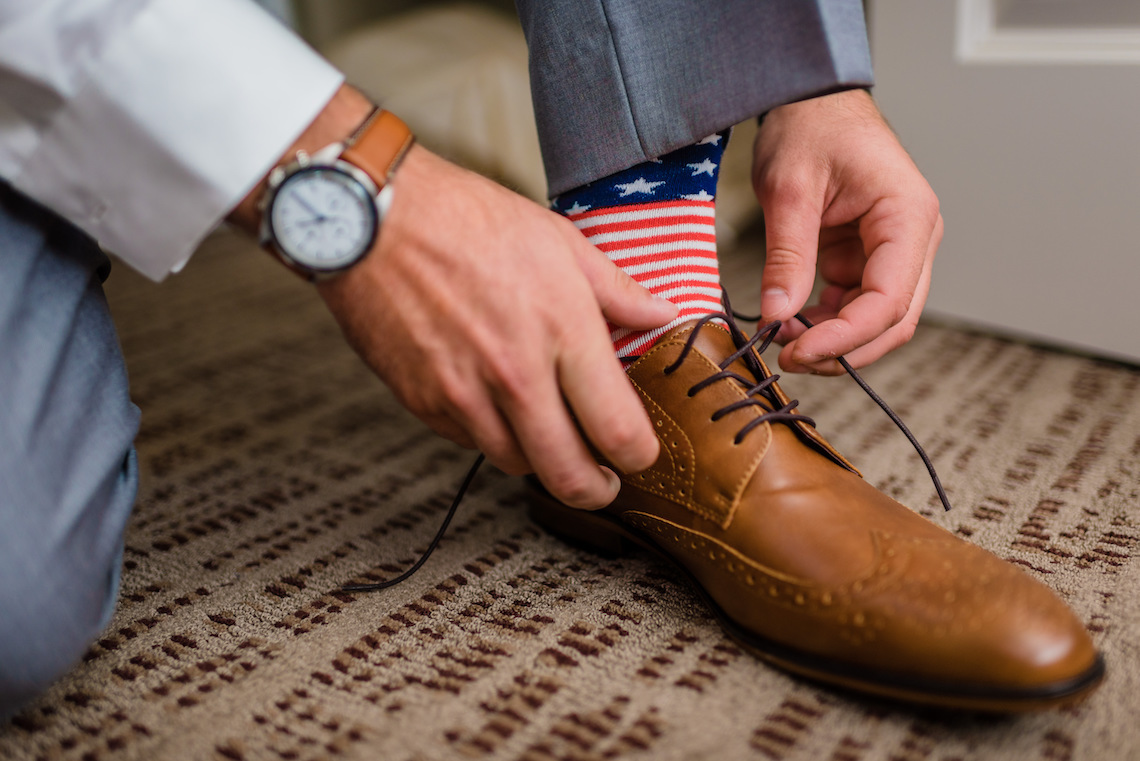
183,112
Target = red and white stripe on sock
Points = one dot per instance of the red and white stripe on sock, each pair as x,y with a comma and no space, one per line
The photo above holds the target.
656,221
669,247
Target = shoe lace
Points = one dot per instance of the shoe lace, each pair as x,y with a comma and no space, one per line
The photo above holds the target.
434,542
764,336
759,393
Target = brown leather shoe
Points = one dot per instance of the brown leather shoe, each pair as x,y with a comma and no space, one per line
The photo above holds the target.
811,568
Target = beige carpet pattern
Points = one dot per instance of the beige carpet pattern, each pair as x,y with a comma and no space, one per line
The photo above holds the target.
276,469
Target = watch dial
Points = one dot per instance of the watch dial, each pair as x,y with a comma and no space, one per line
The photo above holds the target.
323,218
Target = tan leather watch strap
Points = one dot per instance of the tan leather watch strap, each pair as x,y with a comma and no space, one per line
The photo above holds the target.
379,145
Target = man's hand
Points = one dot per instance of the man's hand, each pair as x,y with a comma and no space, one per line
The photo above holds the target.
486,315
839,191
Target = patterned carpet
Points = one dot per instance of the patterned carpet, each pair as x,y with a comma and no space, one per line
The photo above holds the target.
275,469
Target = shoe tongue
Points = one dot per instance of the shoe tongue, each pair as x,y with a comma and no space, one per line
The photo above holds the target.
714,341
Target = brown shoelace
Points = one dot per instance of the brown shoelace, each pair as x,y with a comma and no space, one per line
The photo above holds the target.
758,393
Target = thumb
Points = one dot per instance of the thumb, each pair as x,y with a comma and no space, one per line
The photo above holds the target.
792,233
624,302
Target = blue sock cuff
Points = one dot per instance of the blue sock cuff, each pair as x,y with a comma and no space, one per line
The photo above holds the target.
689,173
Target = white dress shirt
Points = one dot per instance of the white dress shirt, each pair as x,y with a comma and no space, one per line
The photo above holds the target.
145,121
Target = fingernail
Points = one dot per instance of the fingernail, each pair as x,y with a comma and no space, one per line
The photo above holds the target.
774,301
615,482
663,300
804,357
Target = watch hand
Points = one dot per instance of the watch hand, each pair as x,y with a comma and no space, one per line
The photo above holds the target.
312,220
318,217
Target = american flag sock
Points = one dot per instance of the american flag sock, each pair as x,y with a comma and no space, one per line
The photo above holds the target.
656,221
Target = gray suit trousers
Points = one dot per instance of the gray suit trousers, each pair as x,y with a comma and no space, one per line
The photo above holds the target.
67,466
618,82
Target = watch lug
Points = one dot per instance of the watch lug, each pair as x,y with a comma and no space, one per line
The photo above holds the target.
384,202
327,155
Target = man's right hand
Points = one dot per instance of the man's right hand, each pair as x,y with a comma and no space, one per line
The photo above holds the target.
486,315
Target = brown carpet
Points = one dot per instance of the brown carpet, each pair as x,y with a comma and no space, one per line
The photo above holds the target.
275,469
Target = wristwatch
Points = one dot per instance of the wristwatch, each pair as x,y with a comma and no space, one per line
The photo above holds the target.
322,212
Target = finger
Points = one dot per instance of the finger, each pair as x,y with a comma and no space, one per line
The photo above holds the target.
554,447
606,405
622,300
789,365
792,329
792,220
831,299
899,244
450,430
505,453
888,341
469,417
841,256
861,357
904,331
488,431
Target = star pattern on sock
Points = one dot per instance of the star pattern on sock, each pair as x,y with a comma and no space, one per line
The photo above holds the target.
705,167
640,185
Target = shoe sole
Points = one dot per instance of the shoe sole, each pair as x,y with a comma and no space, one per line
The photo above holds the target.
603,533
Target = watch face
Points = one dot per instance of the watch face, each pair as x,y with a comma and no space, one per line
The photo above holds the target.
323,218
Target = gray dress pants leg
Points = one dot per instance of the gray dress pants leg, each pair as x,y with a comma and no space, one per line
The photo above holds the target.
618,82
68,475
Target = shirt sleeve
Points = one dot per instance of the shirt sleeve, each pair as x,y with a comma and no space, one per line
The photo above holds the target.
144,122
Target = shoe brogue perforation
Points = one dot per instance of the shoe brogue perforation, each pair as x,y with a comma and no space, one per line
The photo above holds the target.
673,475
839,610
712,493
